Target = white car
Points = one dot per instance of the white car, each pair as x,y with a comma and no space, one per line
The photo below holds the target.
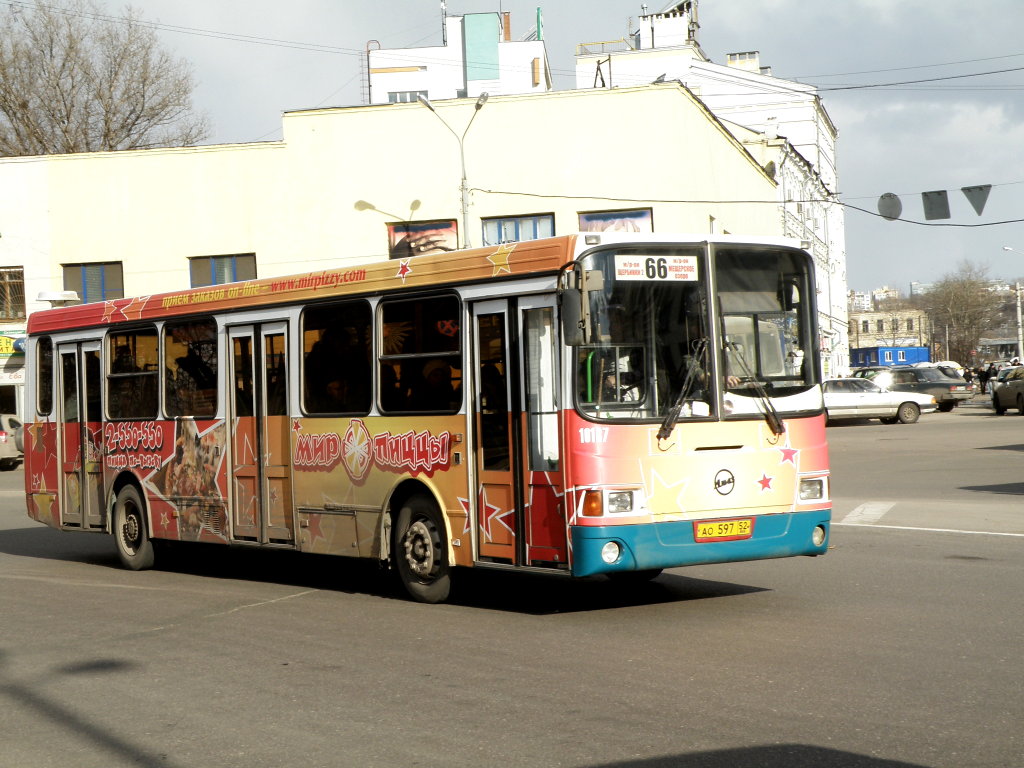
857,398
10,453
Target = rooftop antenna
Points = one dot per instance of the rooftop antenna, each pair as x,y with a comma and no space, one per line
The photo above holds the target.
444,23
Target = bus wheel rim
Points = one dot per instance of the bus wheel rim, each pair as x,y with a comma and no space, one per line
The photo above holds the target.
421,545
131,529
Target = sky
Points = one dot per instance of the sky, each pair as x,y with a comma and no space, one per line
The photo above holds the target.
255,59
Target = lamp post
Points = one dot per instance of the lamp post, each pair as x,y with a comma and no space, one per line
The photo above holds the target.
464,188
1020,332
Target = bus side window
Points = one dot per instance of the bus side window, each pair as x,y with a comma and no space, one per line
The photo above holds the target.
44,377
133,378
190,368
336,364
421,342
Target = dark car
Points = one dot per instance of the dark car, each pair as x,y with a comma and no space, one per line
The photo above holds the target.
948,389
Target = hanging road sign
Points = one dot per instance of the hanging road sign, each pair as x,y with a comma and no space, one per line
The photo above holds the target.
977,196
936,204
889,206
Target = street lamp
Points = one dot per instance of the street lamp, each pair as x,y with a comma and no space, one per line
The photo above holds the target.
1020,332
462,157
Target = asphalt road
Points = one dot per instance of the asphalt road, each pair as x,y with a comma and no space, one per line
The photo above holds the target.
901,647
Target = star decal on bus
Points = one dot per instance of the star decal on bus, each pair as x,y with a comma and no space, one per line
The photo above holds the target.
314,529
765,482
109,308
654,484
500,259
789,454
134,308
404,270
494,514
464,503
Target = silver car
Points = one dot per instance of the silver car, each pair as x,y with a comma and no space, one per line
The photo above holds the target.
856,398
1008,390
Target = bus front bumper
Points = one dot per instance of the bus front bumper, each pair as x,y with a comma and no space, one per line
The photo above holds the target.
672,544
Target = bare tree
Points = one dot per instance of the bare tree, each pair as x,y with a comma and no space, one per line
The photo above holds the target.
75,80
960,306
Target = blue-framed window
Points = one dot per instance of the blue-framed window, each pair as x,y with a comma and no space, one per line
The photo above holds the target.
513,229
95,282
214,270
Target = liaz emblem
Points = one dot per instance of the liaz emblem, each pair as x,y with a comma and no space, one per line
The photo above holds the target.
724,482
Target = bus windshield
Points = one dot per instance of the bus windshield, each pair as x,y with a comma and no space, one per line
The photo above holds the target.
701,331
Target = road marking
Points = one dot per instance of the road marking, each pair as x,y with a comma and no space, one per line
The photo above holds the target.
930,530
868,513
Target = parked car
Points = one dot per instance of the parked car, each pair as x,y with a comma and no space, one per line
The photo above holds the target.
10,453
858,398
949,391
1008,390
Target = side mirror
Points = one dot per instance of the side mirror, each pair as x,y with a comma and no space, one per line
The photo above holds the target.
574,302
573,324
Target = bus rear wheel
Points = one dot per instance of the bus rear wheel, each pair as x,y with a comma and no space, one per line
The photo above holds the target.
134,546
421,552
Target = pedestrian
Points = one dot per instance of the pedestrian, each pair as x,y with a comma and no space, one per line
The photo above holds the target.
983,379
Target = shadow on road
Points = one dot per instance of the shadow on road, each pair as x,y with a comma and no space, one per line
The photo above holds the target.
529,593
1015,447
773,756
1008,489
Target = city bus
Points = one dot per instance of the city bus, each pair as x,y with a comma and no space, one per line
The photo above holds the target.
586,404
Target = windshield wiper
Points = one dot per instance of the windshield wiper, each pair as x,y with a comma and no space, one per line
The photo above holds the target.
672,415
770,414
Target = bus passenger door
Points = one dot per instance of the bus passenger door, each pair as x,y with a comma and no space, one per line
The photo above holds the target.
498,520
520,515
545,521
81,436
260,440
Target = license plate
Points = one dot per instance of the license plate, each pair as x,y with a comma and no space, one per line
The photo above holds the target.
723,530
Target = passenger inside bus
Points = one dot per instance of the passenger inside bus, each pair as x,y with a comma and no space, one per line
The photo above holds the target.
434,391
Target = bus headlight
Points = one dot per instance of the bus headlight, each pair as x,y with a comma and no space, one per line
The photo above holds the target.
610,552
812,489
620,501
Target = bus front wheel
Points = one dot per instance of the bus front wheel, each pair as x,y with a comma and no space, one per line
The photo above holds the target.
421,552
134,546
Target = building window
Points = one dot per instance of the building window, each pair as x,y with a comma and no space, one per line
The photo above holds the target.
888,356
864,327
403,97
518,228
895,324
12,293
95,282
901,355
880,326
910,325
214,270
422,238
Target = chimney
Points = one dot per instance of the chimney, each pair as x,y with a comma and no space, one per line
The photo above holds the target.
749,61
506,25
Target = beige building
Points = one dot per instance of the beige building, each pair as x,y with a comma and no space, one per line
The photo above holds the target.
896,328
351,184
